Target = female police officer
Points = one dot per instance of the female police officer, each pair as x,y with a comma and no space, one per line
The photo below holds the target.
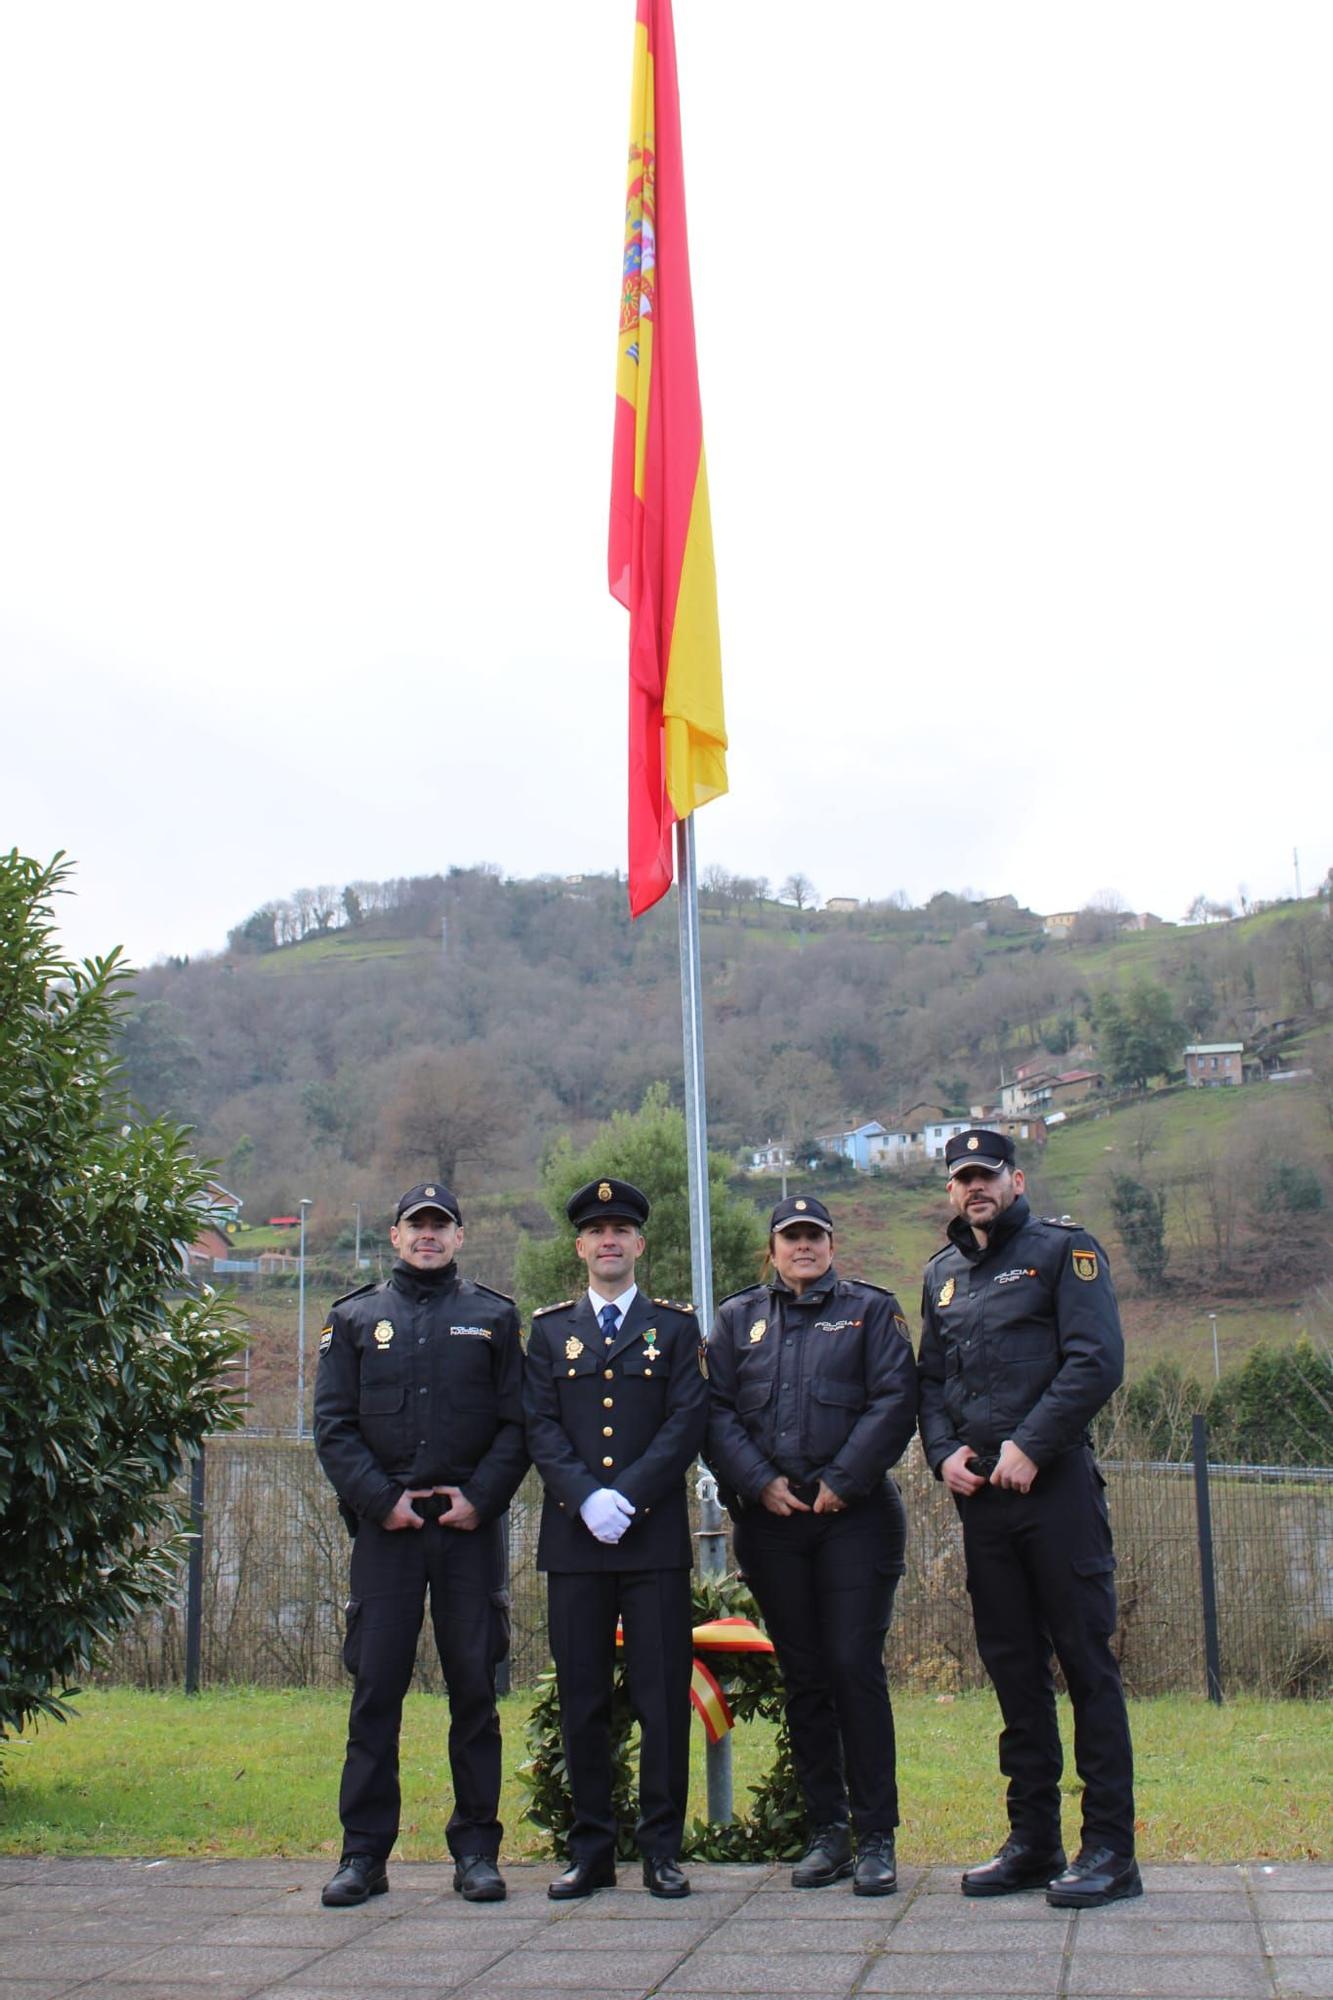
813,1398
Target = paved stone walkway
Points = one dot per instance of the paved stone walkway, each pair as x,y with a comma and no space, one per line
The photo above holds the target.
174,1930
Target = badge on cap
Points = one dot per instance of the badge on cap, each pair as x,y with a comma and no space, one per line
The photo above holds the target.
604,1191
431,1193
946,1292
973,1143
802,1206
384,1333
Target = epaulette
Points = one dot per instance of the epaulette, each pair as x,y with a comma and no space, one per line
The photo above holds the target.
559,1306
1061,1222
675,1305
360,1292
741,1293
867,1286
944,1247
490,1291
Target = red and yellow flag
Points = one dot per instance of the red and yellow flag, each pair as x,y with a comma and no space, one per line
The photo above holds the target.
661,545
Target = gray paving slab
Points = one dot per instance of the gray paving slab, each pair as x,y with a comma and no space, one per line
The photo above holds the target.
1307,1940
1036,1970
1132,1975
790,1972
575,1972
1292,1906
1304,1978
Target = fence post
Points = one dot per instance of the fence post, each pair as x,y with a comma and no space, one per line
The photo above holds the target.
713,1562
194,1591
1207,1577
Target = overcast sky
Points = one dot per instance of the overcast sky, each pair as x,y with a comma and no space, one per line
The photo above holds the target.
1014,325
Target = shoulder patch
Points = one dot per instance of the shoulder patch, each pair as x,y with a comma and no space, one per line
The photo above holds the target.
325,1338
359,1293
675,1305
903,1328
559,1306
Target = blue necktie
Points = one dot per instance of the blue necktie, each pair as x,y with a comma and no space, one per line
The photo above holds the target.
610,1319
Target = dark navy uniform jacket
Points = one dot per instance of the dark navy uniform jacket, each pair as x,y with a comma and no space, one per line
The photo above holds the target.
817,1387
1020,1340
630,1416
420,1383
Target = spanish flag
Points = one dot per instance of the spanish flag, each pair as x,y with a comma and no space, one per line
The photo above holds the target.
661,544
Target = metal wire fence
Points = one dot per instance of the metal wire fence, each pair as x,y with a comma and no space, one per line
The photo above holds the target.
273,1581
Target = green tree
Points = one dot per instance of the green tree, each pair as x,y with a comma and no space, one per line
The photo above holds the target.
113,1369
1138,1034
1140,1216
1275,1409
647,1148
1152,1417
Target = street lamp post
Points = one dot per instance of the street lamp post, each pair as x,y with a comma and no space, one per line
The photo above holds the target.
303,1205
1217,1363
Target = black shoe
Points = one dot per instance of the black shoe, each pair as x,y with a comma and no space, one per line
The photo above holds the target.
1020,1864
477,1879
1098,1875
876,1870
827,1858
359,1877
580,1879
662,1876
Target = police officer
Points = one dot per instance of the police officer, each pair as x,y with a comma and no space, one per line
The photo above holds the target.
1020,1348
813,1398
419,1426
616,1405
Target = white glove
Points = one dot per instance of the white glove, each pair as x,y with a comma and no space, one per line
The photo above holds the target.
607,1513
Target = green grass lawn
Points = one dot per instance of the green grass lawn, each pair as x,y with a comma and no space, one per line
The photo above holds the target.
251,1773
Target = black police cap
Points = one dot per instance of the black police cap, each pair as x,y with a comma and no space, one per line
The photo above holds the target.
991,1151
431,1195
607,1201
799,1208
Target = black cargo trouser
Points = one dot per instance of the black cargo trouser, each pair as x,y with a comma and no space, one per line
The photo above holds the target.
463,1571
1041,1574
825,1585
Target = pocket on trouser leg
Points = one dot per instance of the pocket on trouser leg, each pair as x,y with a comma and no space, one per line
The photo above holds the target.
352,1637
500,1626
1095,1581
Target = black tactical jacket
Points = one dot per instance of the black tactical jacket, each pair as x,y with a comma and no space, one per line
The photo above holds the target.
1020,1340
816,1387
420,1383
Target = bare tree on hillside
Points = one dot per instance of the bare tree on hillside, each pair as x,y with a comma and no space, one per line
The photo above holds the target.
450,1110
798,890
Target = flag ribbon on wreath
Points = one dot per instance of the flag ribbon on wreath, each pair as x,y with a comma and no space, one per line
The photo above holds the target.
719,1635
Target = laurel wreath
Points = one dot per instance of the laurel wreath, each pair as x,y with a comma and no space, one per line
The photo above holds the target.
773,1829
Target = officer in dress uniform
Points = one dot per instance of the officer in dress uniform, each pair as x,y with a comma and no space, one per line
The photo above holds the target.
813,1394
616,1405
1020,1348
419,1426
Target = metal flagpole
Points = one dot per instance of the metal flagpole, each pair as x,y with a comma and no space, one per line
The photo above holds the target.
713,1534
